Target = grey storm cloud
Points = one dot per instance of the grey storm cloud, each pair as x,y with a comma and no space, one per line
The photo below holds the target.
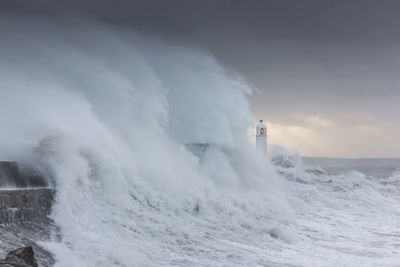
320,21
333,59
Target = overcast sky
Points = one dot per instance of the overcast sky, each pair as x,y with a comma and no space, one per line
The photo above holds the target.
326,72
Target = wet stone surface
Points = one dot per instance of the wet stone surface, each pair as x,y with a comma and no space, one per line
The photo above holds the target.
24,221
24,204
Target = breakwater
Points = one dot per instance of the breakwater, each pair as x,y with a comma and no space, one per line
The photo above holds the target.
24,195
25,204
24,212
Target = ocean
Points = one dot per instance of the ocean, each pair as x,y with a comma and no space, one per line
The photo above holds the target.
146,147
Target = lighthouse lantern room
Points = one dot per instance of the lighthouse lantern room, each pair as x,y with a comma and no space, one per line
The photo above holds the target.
261,137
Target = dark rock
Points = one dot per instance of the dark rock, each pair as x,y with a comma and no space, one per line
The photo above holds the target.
21,257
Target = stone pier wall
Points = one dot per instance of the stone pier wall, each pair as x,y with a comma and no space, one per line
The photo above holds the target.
25,204
18,200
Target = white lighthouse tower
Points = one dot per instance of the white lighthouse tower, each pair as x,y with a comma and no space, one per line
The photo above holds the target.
261,137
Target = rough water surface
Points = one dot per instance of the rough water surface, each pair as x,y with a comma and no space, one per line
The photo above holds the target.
111,119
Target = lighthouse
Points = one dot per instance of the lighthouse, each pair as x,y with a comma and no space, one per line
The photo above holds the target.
261,137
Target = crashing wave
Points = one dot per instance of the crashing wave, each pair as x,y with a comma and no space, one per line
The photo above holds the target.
106,115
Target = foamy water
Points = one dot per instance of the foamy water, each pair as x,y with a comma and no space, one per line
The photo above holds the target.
107,115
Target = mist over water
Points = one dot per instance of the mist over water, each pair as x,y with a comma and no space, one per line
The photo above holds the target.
105,116
146,144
